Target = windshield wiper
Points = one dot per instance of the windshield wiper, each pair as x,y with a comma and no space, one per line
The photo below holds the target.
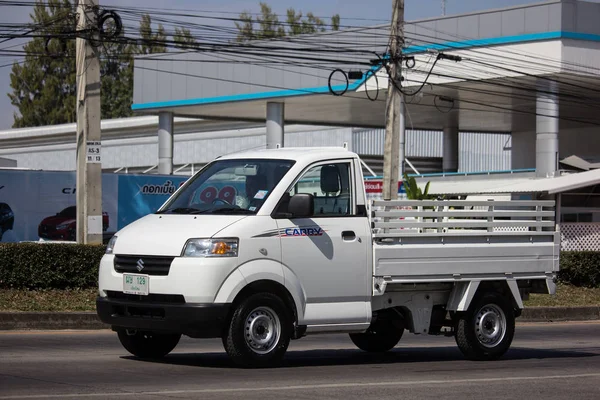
182,210
233,210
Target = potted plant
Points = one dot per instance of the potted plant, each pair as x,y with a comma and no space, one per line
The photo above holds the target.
414,192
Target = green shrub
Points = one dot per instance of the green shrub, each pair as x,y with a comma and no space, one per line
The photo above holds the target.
580,268
74,266
49,265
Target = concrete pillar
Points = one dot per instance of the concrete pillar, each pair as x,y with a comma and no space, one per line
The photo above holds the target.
275,124
165,143
546,128
450,143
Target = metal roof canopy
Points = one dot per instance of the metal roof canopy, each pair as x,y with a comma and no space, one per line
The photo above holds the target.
516,184
522,47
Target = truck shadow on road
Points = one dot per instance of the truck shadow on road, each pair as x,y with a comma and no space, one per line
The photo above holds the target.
413,355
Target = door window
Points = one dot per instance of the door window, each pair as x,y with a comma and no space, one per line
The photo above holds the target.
330,186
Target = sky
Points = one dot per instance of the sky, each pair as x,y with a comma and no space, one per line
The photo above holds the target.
365,13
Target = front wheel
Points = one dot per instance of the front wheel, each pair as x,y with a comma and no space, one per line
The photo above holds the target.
486,330
259,331
148,344
382,335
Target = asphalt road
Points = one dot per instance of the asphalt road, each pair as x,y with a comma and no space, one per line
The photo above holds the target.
549,361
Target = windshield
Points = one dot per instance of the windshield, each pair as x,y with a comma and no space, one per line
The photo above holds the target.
229,187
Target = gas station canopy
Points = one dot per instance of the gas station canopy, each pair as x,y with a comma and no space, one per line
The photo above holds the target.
509,58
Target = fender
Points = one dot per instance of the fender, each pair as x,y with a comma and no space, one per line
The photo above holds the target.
259,270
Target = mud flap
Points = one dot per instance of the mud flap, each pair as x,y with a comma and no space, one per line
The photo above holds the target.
461,296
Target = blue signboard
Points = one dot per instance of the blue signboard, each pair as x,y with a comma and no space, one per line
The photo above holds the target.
42,204
140,195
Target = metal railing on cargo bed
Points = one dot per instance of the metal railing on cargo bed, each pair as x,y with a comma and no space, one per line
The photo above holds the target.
405,218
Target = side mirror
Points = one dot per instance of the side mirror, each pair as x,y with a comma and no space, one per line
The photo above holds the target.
302,205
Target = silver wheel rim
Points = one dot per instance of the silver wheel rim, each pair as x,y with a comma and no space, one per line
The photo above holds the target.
262,330
490,325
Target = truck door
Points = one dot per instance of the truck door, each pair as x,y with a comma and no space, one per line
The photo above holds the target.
328,252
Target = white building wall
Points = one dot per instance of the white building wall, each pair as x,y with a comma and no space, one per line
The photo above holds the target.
477,151
419,143
197,148
582,142
483,152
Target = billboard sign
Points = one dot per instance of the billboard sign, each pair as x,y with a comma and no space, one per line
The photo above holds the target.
42,204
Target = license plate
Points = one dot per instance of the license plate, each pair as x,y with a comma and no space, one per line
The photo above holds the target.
136,284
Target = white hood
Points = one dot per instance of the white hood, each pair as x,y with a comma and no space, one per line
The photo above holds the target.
166,234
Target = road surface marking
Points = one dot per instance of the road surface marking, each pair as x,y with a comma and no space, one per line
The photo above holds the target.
304,387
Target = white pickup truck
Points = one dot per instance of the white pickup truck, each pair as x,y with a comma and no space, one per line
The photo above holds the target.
267,246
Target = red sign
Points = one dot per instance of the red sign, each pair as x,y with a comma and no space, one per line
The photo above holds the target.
374,186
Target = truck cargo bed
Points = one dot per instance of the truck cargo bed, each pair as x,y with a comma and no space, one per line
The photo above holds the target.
446,241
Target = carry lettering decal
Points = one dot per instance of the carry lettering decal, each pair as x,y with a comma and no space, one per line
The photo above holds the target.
296,231
313,231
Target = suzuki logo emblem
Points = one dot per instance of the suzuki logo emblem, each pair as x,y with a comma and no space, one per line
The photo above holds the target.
140,265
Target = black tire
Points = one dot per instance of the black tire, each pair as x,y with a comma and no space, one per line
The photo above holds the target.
382,336
148,344
259,331
486,330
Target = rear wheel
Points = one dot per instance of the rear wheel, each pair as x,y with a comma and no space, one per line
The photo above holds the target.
148,344
382,335
259,331
486,330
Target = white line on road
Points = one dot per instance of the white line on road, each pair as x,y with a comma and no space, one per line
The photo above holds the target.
305,387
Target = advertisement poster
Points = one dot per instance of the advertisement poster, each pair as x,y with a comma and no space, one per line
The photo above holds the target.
38,205
374,189
55,213
140,195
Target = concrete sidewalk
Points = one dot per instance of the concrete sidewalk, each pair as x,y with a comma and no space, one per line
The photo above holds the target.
89,320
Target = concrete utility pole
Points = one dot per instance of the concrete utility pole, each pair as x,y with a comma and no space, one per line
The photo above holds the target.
393,154
89,161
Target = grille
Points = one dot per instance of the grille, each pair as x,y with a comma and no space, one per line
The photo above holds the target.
46,228
151,298
152,265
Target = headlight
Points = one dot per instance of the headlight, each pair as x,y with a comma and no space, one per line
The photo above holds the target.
211,248
111,245
63,226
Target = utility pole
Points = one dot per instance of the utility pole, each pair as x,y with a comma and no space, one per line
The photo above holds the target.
89,162
393,155
443,7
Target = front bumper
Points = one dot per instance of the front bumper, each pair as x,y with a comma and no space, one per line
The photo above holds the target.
136,312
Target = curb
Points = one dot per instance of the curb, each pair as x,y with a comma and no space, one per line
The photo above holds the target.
50,320
89,320
550,314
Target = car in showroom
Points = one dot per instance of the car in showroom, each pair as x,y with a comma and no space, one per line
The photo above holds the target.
63,225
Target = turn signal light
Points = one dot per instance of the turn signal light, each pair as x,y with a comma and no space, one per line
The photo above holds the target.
221,248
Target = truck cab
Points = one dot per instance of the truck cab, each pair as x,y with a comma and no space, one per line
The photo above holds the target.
263,247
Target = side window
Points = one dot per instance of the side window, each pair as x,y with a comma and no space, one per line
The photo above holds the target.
330,186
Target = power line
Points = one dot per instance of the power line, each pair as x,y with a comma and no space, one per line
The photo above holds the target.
272,54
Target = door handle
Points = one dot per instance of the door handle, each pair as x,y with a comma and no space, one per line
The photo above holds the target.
348,235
